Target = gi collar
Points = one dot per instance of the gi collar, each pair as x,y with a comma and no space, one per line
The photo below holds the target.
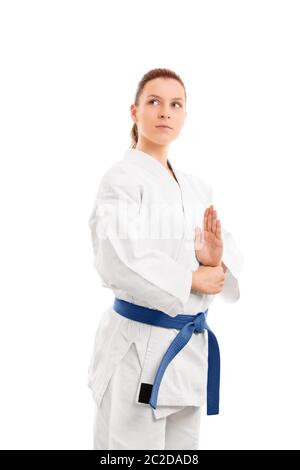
152,165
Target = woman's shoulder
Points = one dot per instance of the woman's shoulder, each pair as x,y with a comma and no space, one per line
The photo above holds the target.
119,178
120,172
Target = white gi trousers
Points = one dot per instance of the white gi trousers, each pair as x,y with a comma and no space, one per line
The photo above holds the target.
121,423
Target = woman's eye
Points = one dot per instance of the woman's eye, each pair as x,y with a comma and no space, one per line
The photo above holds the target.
175,102
151,101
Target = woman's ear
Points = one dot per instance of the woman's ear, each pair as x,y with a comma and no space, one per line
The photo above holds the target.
133,112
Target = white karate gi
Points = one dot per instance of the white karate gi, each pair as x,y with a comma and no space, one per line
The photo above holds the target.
154,271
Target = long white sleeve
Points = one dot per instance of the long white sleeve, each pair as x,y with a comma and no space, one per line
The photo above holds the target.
233,259
124,259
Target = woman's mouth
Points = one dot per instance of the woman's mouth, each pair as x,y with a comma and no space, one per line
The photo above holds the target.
162,126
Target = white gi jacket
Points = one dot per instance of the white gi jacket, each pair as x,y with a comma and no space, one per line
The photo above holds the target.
155,271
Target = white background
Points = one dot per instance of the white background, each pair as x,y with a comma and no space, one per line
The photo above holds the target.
69,70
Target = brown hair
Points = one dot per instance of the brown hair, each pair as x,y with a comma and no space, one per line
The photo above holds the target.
154,73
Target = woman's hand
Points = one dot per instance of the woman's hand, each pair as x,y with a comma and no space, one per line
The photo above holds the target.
209,243
208,280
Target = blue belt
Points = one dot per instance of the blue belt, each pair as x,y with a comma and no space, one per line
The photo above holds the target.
187,324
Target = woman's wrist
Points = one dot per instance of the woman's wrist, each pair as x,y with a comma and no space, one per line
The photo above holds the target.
195,278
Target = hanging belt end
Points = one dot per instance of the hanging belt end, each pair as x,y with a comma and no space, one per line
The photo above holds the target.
212,411
152,404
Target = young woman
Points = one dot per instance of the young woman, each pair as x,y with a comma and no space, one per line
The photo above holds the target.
155,362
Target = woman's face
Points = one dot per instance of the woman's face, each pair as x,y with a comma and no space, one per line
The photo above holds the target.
162,102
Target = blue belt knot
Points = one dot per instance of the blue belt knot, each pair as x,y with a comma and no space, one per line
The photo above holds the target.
199,322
